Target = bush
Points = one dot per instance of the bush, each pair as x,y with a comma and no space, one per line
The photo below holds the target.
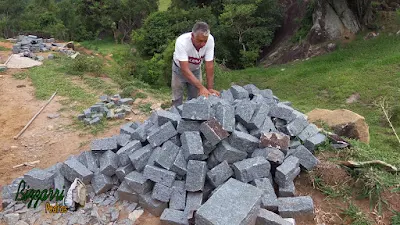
84,64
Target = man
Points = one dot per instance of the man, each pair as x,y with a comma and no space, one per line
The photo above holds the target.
190,51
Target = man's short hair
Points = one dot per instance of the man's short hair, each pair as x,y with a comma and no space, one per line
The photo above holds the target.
201,28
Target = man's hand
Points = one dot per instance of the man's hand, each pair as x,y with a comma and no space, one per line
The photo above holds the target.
212,91
204,92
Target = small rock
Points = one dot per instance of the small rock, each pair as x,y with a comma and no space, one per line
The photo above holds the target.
14,147
114,215
50,127
131,207
53,116
21,86
99,198
135,215
11,218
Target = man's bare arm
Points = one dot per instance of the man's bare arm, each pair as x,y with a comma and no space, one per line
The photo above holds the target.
192,79
210,74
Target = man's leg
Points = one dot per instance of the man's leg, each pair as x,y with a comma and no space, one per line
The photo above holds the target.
177,90
193,92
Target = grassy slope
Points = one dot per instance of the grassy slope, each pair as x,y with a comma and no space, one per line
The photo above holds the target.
164,4
370,68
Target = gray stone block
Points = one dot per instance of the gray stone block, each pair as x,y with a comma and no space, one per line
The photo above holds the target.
234,203
266,217
96,108
173,217
213,131
109,163
155,155
296,126
287,171
312,142
244,111
287,190
125,101
136,124
140,133
159,175
127,129
165,116
294,144
138,183
161,135
252,168
39,179
269,200
225,115
208,147
10,191
194,201
212,161
275,140
306,158
244,142
123,171
94,121
308,132
178,196
258,118
90,161
295,206
239,92
240,127
60,182
219,174
180,164
282,111
104,144
180,108
140,157
192,145
196,175
273,155
174,110
123,139
72,169
81,116
197,109
251,89
153,206
124,152
188,125
167,155
101,183
225,151
227,95
176,140
161,192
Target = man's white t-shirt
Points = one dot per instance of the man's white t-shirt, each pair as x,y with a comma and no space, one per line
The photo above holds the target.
185,51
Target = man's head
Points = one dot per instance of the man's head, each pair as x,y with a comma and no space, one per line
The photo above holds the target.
200,33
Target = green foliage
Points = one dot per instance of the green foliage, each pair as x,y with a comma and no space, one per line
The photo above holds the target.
164,5
82,64
146,108
356,216
20,75
305,23
396,218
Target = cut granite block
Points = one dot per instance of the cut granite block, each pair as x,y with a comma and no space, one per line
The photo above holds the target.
90,161
180,108
269,200
81,116
153,206
123,171
239,92
219,174
161,192
101,183
212,161
173,217
252,168
266,93
287,171
135,124
178,196
312,142
192,145
124,152
282,111
123,139
174,110
125,101
165,116
225,115
161,135
60,182
265,217
295,127
273,155
176,140
197,109
275,140
213,131
196,175
244,111
287,190
227,95
306,158
294,144
193,203
208,147
155,155
94,121
140,157
308,132
188,125
39,179
159,175
258,118
104,144
138,183
240,127
72,169
244,142
251,89
140,133
234,203
295,206
167,155
225,151
180,164
127,129
10,191
109,163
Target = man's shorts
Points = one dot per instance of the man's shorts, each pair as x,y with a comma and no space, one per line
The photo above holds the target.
179,83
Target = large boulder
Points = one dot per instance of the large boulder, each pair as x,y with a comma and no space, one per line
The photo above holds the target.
343,122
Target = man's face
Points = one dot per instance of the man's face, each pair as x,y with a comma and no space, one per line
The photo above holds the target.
199,40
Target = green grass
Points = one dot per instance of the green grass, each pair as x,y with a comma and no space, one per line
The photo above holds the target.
370,68
355,215
107,47
2,48
98,84
20,75
164,4
396,219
